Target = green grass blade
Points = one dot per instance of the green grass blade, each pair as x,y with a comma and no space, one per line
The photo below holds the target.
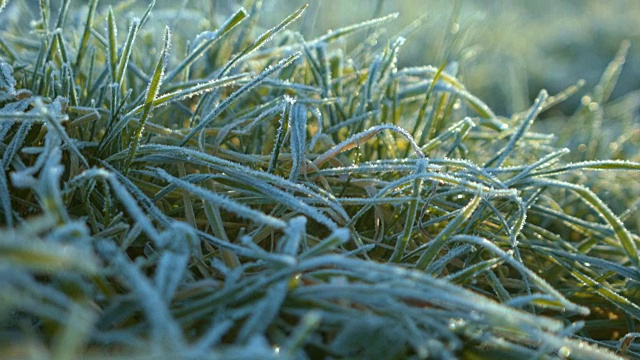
125,55
112,36
262,39
402,242
500,157
62,14
5,198
84,42
470,272
147,13
598,165
348,30
209,40
227,204
426,132
337,238
228,101
363,136
54,120
194,90
429,255
611,74
152,93
298,138
45,12
608,294
627,243
282,131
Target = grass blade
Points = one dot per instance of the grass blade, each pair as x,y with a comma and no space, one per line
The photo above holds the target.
112,36
436,244
590,198
152,93
126,52
262,39
500,157
298,138
210,39
401,244
86,34
228,101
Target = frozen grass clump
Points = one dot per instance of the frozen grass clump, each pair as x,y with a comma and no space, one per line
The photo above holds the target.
241,193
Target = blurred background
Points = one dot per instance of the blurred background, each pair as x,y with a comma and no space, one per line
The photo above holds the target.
506,50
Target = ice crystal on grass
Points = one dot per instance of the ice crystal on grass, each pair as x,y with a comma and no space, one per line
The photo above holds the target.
263,196
7,82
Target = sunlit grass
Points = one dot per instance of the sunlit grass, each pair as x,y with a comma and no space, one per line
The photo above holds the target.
251,193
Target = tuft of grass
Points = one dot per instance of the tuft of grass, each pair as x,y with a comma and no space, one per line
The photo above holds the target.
236,195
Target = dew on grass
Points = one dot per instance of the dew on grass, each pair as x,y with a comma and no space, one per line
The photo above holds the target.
564,352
